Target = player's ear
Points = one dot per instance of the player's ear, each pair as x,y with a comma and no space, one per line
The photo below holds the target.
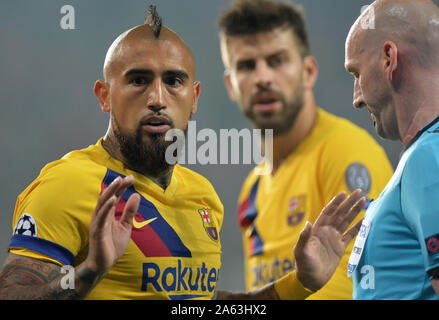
102,91
197,90
311,71
229,86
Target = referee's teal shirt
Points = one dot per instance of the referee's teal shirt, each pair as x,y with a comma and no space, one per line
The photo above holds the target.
402,245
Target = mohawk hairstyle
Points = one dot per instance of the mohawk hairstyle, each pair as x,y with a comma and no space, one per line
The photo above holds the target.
246,17
154,20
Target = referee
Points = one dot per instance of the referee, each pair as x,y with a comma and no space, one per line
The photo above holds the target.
395,64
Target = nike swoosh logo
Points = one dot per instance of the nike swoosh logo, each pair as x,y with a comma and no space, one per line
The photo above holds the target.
139,225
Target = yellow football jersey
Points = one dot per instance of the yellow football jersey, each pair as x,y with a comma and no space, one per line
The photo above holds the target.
336,156
174,251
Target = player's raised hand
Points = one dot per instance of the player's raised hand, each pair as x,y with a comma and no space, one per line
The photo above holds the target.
109,237
320,247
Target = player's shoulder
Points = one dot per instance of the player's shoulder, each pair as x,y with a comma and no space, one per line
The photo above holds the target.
338,126
75,171
74,165
340,132
60,183
351,149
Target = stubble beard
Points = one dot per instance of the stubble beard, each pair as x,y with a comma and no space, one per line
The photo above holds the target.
285,120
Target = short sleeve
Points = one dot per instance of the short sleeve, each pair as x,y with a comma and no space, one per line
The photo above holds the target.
52,215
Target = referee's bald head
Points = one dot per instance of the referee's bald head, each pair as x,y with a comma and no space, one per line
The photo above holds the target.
413,25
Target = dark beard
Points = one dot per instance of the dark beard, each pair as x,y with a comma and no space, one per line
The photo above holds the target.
285,123
146,158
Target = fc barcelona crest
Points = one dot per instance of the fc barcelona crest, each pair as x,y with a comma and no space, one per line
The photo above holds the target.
296,210
208,224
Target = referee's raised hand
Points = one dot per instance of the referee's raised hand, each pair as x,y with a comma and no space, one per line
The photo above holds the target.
318,252
321,246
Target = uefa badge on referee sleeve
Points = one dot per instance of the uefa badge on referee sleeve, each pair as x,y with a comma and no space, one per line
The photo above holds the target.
432,244
208,224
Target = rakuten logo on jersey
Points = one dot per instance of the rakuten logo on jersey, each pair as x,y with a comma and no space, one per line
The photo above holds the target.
175,279
263,273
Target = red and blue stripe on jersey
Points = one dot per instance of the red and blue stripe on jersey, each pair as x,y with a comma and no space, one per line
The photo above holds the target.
247,213
157,239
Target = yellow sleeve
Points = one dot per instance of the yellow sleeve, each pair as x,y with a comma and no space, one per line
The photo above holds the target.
350,160
52,215
289,288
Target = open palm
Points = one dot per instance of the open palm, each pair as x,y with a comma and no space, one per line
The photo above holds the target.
109,237
320,247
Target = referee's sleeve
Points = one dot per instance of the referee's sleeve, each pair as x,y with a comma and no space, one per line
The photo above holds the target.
419,199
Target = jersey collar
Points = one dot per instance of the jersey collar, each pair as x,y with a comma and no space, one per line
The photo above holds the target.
421,132
118,166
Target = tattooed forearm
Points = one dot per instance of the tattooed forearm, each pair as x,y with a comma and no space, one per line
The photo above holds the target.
27,271
27,278
265,293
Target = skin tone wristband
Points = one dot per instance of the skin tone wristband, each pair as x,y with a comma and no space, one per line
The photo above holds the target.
290,288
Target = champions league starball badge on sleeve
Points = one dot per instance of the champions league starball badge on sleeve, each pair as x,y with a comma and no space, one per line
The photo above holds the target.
26,226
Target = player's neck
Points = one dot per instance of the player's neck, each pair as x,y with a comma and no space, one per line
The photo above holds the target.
111,146
164,180
284,145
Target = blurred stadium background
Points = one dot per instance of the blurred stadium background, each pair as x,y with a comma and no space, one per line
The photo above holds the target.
48,107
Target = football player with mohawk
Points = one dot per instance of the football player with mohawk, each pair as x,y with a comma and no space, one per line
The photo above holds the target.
130,224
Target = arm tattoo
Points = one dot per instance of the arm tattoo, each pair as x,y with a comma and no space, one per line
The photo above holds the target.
89,276
19,273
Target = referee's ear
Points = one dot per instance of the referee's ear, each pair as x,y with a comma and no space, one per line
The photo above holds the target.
101,91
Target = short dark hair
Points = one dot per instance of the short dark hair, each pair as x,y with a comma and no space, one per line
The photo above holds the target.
154,20
246,17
